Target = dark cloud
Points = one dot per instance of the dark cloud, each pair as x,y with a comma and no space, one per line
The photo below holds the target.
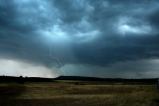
154,19
97,33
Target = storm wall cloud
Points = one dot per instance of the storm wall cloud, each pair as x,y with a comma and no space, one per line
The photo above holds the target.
82,37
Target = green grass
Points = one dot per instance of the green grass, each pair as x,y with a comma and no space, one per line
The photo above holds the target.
63,93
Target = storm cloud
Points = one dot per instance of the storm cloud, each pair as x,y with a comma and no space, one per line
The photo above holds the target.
82,37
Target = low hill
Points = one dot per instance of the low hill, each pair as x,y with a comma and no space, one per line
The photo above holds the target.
110,80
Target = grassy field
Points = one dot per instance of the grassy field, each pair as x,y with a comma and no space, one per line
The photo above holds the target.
73,93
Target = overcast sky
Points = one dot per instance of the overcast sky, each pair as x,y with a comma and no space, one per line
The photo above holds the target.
99,38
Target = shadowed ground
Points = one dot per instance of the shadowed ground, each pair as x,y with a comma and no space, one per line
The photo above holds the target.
71,93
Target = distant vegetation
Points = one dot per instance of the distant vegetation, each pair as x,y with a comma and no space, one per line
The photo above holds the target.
22,79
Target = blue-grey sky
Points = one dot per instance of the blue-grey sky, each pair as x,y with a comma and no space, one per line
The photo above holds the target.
99,38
